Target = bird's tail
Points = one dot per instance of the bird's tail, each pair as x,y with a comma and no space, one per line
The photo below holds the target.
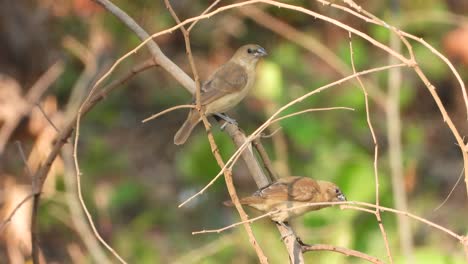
186,129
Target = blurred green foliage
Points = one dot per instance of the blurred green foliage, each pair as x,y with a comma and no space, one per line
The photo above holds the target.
149,176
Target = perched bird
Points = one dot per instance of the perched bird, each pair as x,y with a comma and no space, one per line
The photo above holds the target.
225,88
290,192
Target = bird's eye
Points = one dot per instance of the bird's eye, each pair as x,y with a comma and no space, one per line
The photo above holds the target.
250,51
337,191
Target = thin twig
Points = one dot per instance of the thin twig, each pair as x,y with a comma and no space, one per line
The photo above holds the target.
311,44
44,114
23,158
263,135
311,110
261,150
427,83
376,153
214,147
403,34
41,174
344,205
181,76
342,250
204,12
451,191
167,111
259,130
257,143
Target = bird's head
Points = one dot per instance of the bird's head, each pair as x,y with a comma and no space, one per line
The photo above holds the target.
333,192
250,53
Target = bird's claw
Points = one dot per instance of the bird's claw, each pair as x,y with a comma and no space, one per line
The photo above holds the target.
285,225
290,233
223,126
227,119
299,240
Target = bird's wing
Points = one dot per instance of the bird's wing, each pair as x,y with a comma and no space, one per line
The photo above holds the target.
229,78
291,189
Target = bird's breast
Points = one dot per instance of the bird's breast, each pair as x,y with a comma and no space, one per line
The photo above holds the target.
228,101
291,209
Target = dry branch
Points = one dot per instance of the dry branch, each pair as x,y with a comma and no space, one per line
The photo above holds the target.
214,148
240,139
344,251
376,152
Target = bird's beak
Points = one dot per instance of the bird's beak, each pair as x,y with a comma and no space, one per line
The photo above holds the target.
341,197
260,52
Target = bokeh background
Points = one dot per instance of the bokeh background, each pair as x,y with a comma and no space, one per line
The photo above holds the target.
134,177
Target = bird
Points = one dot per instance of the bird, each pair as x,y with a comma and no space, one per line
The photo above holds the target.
289,192
224,89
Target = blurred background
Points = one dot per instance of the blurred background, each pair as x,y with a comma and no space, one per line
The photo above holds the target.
134,177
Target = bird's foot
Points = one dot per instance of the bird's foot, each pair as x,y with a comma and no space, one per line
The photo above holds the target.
299,240
227,119
290,233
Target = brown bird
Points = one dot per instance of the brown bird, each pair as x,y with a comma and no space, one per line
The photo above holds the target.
290,192
225,88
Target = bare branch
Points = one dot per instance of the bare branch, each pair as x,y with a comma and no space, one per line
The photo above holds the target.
166,111
376,152
342,250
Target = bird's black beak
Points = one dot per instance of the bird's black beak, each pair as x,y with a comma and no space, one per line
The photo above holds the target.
260,52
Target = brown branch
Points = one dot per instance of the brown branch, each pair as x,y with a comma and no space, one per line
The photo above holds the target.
44,114
233,193
246,140
73,196
161,59
267,164
431,88
290,240
188,49
61,139
166,111
402,35
204,12
215,150
77,216
257,143
41,174
347,205
311,110
376,152
342,250
451,191
310,44
189,84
